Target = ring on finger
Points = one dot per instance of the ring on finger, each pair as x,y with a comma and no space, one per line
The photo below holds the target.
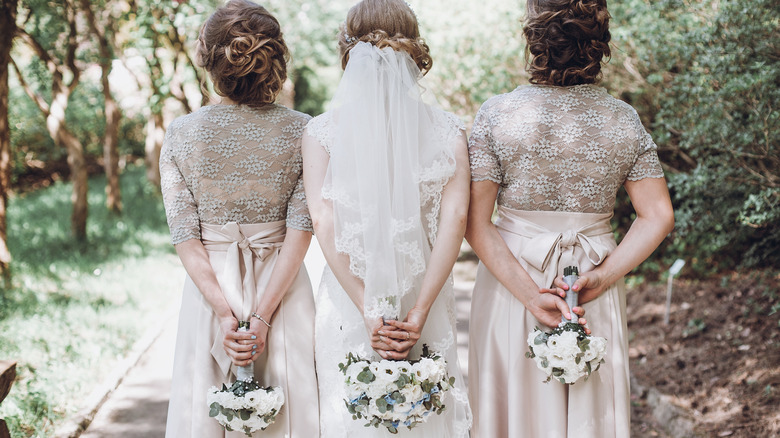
408,336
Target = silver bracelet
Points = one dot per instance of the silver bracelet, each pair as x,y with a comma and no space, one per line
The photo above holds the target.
261,319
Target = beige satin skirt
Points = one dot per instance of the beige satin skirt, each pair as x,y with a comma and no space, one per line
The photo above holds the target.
247,254
506,389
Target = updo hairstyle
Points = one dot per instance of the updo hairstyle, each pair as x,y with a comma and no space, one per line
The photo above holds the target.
567,40
384,23
242,48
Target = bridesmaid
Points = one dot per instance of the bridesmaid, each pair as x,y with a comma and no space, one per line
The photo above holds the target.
554,154
233,194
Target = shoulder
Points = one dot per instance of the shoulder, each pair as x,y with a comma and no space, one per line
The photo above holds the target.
448,119
511,101
183,122
290,114
318,128
318,124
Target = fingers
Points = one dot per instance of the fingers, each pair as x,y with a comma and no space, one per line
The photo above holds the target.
563,308
411,328
399,346
401,335
555,291
240,336
559,283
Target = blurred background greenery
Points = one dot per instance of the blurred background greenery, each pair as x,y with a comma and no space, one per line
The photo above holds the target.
90,86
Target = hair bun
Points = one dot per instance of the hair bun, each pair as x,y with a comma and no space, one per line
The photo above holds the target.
567,40
242,47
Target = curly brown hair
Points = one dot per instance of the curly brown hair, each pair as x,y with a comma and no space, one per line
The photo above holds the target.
567,41
384,23
242,48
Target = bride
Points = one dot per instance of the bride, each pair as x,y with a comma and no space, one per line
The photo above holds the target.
387,181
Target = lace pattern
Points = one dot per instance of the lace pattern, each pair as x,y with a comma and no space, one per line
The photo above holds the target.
233,163
560,148
339,326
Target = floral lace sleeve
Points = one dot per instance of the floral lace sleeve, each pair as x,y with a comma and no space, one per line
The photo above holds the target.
485,165
297,210
647,164
181,209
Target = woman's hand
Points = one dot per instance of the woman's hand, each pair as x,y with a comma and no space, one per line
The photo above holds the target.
549,306
589,286
405,334
374,326
259,331
237,344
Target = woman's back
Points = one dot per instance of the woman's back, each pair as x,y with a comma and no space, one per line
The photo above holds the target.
560,148
235,164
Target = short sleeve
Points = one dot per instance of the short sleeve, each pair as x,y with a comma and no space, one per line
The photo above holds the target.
181,209
483,159
647,164
297,210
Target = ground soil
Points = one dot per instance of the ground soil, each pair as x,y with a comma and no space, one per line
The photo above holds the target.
718,359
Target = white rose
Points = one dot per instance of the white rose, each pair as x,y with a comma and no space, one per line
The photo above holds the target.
412,392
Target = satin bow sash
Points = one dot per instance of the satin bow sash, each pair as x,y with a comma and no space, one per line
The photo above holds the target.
546,247
243,244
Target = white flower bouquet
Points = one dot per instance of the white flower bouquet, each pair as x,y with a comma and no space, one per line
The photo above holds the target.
245,405
567,352
396,393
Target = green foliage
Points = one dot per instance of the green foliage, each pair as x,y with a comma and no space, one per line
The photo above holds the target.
711,94
74,309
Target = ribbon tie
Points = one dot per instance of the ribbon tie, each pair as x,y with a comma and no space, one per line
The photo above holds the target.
238,275
546,248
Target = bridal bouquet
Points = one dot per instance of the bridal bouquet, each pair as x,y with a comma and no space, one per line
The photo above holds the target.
567,353
396,393
245,405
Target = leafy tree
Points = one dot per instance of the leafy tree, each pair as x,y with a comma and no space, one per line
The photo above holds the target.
55,25
163,33
7,33
711,94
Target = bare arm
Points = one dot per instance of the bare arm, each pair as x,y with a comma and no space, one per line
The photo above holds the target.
195,259
491,249
296,242
315,165
452,225
654,221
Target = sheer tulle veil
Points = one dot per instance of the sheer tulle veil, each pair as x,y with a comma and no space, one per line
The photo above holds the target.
391,157
388,163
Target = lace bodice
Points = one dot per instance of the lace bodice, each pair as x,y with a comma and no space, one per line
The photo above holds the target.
560,148
233,163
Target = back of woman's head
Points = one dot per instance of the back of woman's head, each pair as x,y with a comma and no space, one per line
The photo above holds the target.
242,48
384,23
567,40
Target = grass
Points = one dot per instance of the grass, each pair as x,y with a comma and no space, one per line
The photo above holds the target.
74,309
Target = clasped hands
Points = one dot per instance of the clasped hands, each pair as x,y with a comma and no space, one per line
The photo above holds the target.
243,347
548,305
393,340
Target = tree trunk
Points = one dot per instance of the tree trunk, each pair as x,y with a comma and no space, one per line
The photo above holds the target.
55,123
111,150
155,133
8,26
112,112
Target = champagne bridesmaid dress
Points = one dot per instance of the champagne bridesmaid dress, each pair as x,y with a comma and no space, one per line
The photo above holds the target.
559,156
231,177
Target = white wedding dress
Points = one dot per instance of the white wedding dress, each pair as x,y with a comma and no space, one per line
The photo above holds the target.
389,242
